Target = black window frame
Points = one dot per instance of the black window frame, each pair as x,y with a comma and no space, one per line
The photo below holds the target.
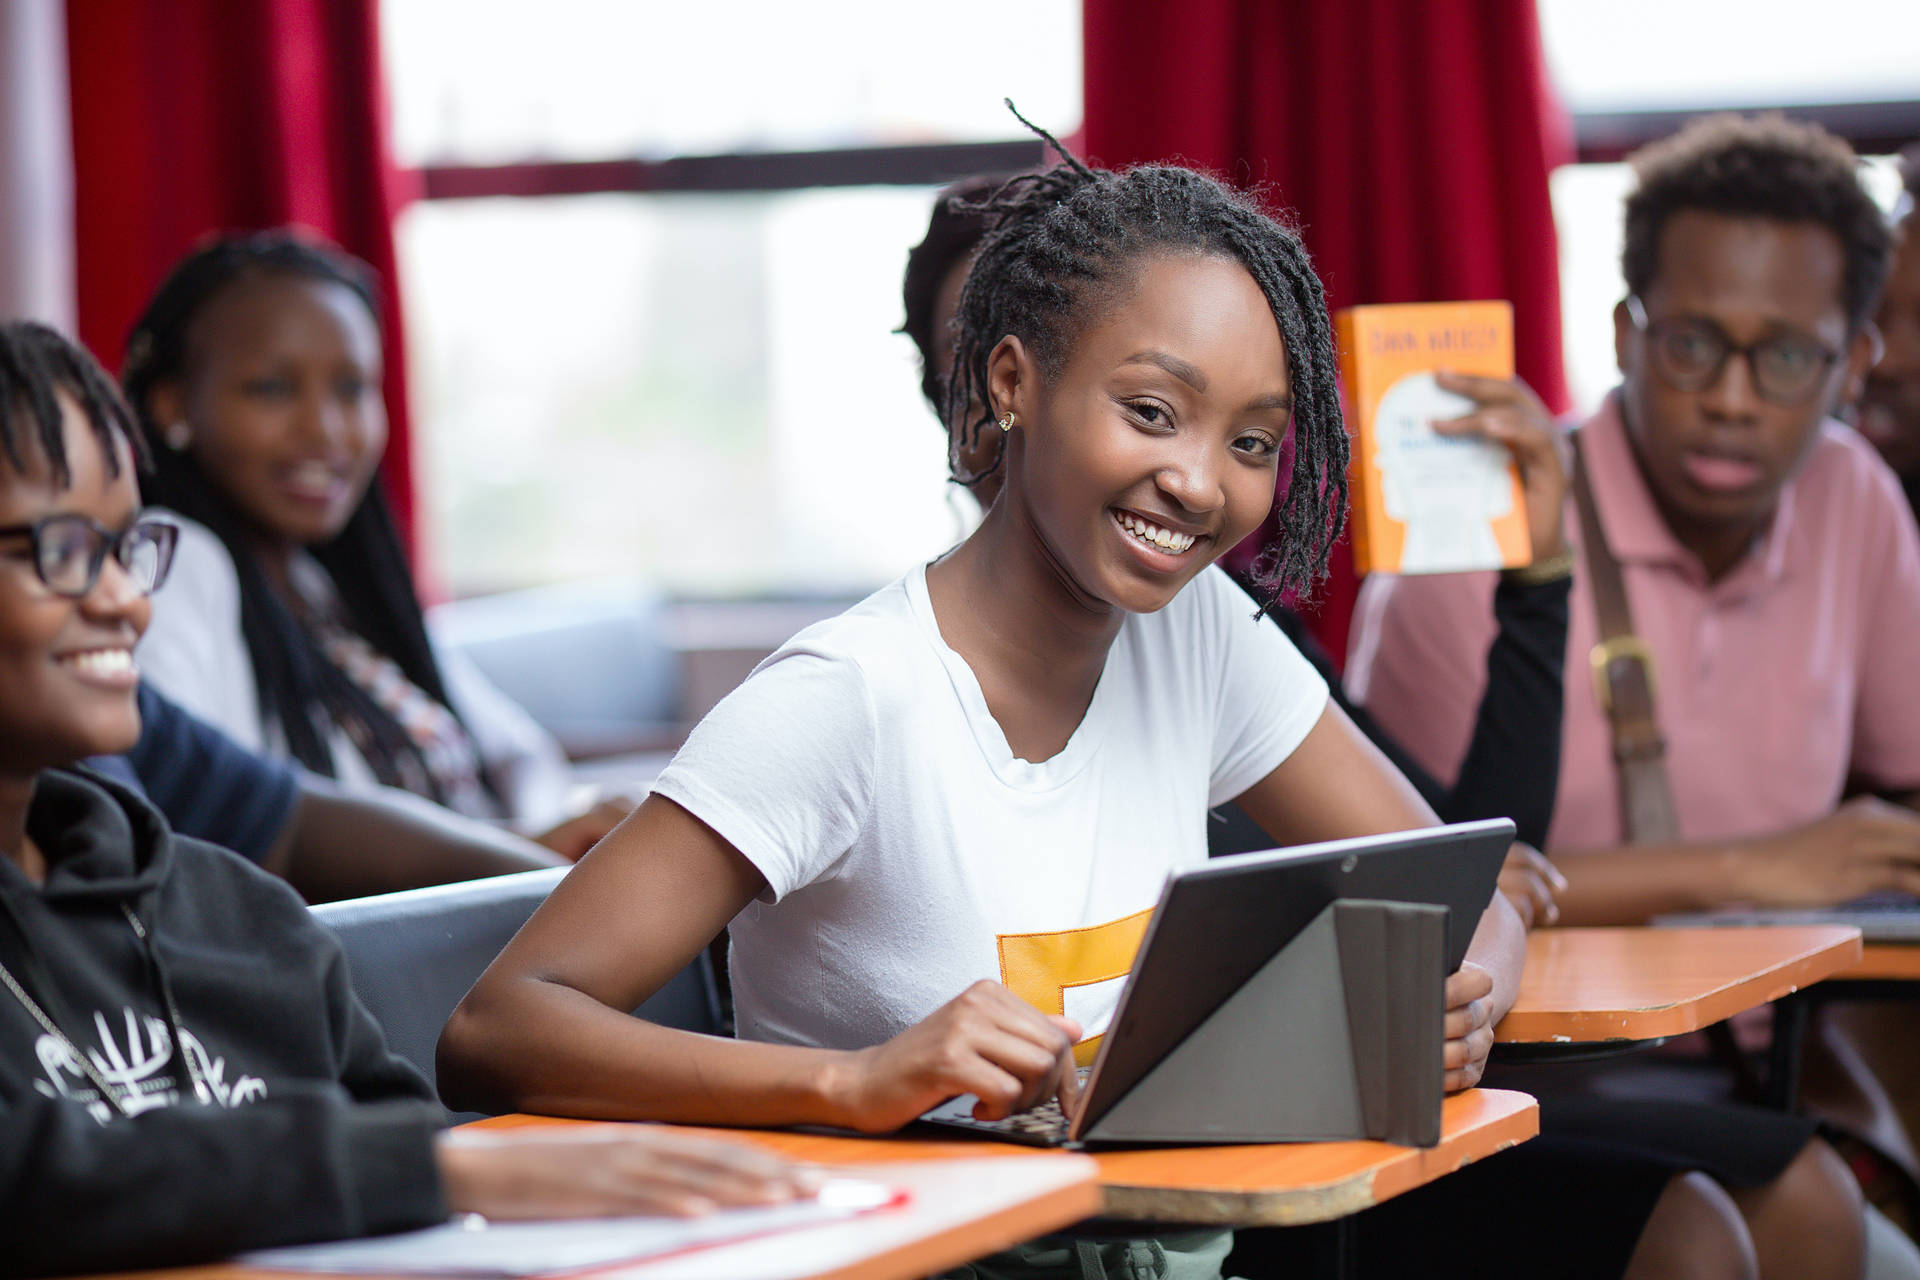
1599,138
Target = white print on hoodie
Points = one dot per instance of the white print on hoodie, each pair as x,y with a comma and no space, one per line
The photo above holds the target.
138,1069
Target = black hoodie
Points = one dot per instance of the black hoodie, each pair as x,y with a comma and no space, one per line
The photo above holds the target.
311,1130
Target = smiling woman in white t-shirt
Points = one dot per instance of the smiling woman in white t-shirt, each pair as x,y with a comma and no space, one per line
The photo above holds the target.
935,823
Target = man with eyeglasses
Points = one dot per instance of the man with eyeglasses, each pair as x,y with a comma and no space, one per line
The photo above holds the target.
329,844
1770,563
1758,649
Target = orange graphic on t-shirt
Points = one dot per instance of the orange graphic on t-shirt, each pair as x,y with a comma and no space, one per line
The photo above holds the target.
1039,967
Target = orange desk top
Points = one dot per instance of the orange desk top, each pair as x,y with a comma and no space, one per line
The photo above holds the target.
1270,1185
1586,985
1892,960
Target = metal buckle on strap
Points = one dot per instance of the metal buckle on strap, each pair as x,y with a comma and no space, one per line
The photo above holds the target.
1602,656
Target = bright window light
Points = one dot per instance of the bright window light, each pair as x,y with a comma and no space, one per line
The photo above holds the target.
1636,55
500,81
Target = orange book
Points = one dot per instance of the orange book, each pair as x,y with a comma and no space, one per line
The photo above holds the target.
1424,502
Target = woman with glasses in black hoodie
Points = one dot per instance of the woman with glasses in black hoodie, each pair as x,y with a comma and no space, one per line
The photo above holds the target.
184,1070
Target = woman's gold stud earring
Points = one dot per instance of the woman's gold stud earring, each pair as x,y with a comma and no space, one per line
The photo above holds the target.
1006,422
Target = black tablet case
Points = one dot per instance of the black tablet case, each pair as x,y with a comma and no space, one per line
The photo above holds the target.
1339,1035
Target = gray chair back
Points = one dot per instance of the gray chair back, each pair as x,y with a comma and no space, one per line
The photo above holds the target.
414,955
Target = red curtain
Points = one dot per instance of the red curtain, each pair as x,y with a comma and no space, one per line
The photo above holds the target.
1413,140
198,116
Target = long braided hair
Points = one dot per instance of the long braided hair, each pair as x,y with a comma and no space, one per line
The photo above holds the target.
1064,242
302,691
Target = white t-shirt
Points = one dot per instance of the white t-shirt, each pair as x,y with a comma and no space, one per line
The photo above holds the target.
195,652
909,853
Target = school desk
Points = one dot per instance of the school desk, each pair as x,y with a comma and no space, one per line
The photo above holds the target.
1600,986
1277,1184
1886,962
957,1210
1886,971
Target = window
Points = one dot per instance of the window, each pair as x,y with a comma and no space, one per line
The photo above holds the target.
1657,55
502,81
700,387
1625,88
703,390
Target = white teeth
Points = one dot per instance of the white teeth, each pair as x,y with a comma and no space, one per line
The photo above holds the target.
103,662
1164,539
313,476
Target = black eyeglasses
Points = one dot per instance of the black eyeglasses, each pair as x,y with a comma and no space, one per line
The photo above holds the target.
69,550
1690,353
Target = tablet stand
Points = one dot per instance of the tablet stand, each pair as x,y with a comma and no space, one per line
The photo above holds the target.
1339,1035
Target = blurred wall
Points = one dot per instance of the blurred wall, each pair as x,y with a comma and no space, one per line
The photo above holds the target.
36,164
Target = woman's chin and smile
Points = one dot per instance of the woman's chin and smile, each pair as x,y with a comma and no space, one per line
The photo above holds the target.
1164,552
1134,563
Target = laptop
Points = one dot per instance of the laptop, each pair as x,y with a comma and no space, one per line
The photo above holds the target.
1880,917
1286,995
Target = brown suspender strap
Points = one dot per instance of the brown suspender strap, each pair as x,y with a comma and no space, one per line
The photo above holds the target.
1623,681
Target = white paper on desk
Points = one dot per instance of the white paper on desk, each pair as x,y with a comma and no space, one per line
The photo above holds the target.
511,1249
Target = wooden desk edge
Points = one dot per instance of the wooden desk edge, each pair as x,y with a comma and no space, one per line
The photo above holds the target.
1886,961
1402,1169
1832,959
1496,1119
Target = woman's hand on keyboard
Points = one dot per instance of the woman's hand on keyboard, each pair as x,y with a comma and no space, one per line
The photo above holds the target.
986,1041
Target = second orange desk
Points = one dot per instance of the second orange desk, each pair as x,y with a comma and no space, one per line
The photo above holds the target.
1596,985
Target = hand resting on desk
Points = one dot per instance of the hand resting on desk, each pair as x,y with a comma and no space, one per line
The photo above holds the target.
595,1171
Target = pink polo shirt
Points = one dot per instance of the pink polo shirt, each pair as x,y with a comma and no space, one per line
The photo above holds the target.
1773,684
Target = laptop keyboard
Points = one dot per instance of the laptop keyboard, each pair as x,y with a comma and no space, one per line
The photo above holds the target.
1887,903
1043,1121
1044,1125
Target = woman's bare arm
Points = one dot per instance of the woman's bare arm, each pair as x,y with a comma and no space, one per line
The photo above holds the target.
1865,846
546,1028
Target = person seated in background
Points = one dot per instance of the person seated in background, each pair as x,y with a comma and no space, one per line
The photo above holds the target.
328,843
291,622
1770,563
1637,1183
1889,411
184,1069
1511,772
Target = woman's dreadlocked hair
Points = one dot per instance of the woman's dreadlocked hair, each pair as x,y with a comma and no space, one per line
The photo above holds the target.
301,690
1063,243
37,365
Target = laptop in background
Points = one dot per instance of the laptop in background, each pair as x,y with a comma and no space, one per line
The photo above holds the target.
1880,917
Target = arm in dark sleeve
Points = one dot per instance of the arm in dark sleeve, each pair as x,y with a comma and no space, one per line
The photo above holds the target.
1512,765
209,786
196,1183
1313,651
1231,830
346,1150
